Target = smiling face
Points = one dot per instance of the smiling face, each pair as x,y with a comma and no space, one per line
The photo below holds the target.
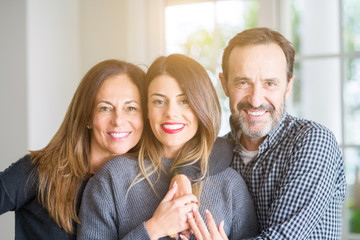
257,87
172,120
117,122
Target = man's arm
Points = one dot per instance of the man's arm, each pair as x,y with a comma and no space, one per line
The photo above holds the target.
220,158
310,196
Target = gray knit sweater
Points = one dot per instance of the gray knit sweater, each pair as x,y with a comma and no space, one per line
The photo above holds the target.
106,213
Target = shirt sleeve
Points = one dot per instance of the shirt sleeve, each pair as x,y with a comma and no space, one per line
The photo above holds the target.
98,214
220,158
245,222
312,188
17,185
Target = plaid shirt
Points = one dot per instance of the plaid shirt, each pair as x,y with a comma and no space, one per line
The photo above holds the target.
297,181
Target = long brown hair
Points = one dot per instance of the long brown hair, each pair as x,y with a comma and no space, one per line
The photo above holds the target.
198,88
64,163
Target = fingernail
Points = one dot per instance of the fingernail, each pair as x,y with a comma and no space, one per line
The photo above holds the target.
207,211
222,224
181,236
190,215
174,185
194,209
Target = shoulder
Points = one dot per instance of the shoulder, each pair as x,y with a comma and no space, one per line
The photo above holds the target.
229,178
308,132
19,182
305,126
121,167
230,186
313,143
221,155
20,170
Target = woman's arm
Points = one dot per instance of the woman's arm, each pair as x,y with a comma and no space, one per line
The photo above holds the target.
17,185
220,158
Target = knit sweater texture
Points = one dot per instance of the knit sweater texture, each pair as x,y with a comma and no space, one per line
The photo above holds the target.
110,211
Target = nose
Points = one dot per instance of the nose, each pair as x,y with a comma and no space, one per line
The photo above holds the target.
172,109
118,118
256,95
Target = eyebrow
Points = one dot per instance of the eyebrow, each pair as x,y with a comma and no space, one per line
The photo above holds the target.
164,96
247,79
241,78
107,102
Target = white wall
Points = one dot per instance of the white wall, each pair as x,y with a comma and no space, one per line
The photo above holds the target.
130,30
46,47
40,69
53,62
102,31
13,92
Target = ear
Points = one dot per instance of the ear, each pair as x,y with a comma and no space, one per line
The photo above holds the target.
224,84
289,87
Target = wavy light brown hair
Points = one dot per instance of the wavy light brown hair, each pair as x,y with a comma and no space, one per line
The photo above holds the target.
256,36
197,86
64,163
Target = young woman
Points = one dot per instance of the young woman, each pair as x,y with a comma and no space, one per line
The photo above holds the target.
104,118
123,200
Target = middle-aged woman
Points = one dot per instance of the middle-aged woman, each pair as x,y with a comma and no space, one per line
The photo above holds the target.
104,118
123,200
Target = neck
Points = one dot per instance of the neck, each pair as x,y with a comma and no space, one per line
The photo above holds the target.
251,144
96,162
170,152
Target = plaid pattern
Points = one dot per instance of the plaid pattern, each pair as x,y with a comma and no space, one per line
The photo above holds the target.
297,181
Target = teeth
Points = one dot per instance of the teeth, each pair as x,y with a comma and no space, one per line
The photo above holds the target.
118,135
172,126
256,113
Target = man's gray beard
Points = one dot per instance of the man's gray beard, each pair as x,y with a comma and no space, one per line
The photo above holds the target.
238,123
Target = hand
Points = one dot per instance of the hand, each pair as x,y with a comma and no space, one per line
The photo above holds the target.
200,230
170,217
184,188
184,185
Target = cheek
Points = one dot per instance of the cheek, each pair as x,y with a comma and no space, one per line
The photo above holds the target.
194,120
237,96
140,125
137,122
276,99
154,115
98,122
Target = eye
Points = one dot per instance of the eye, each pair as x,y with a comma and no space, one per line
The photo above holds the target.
105,109
242,83
270,84
185,101
131,109
158,102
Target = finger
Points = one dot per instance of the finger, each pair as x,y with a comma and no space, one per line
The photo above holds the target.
185,233
211,223
183,237
188,207
186,199
222,231
201,224
170,194
193,226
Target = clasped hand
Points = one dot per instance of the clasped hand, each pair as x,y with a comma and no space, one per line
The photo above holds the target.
178,212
